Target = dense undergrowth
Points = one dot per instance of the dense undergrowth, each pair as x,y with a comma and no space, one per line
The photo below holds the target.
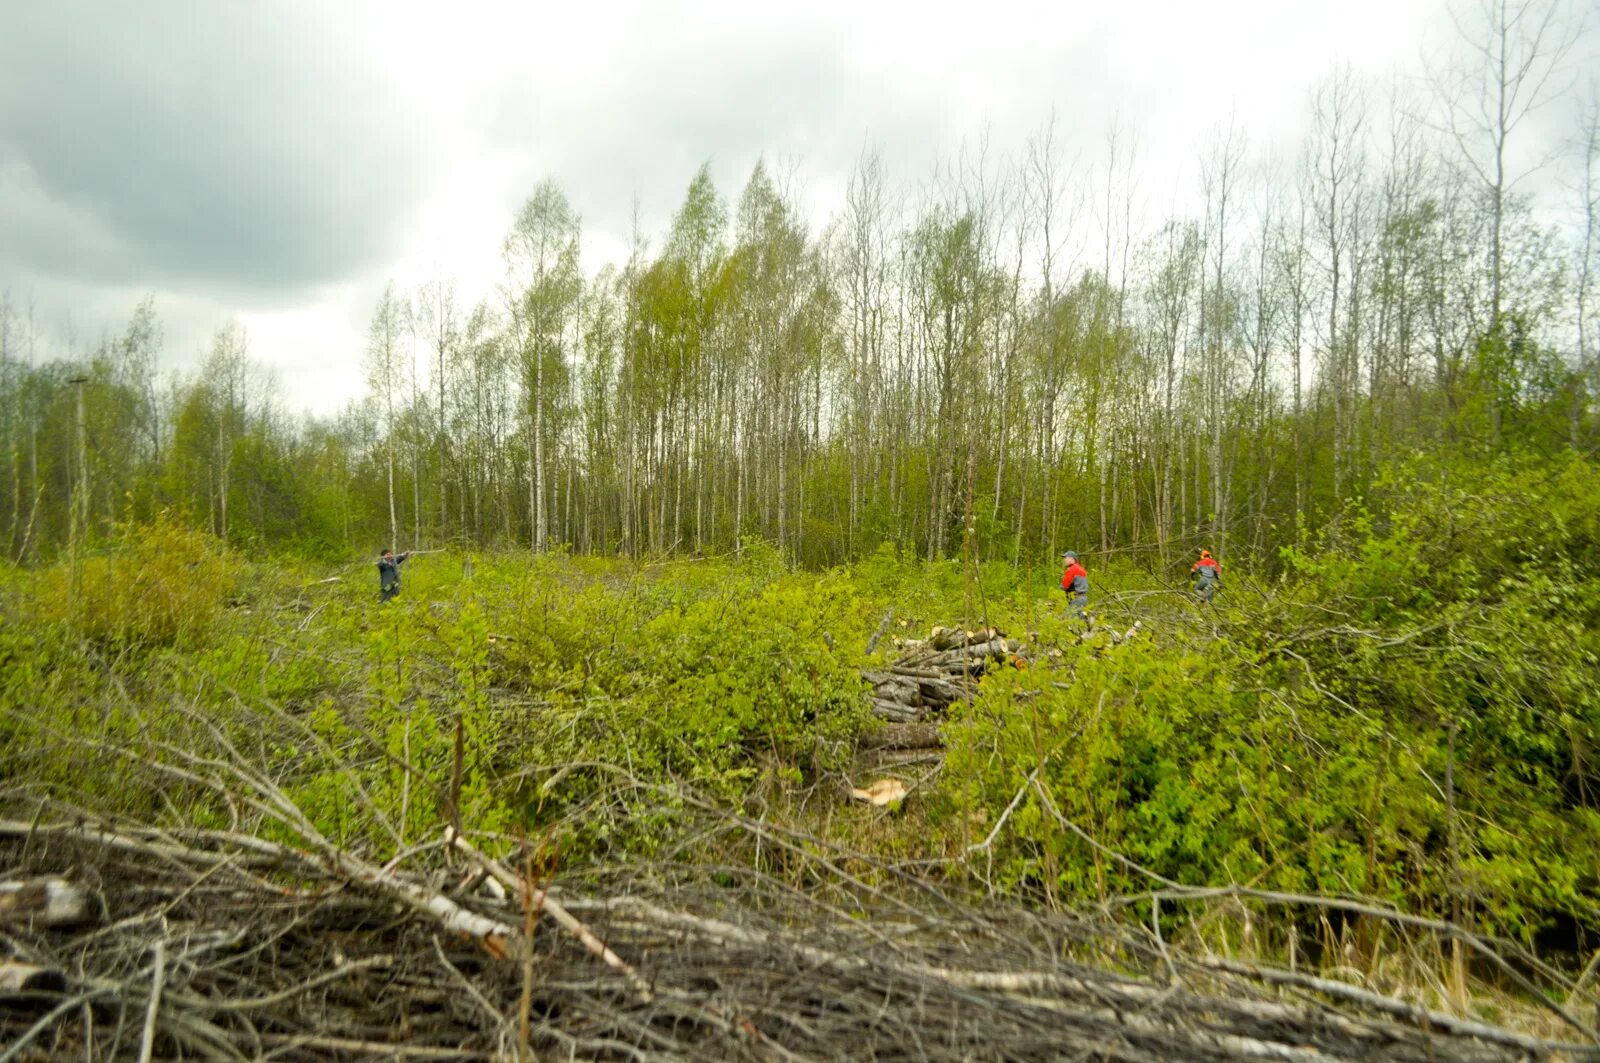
1408,714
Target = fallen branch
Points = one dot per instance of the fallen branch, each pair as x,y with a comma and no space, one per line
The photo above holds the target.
1414,1013
147,1042
541,899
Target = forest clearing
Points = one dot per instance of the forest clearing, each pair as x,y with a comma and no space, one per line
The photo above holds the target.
604,807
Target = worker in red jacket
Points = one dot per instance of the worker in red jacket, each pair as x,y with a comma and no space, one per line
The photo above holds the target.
1207,576
1075,583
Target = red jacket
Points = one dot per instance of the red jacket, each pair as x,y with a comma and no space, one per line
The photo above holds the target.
1206,562
1070,578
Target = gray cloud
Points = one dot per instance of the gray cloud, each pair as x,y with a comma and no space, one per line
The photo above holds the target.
224,148
805,91
280,161
646,125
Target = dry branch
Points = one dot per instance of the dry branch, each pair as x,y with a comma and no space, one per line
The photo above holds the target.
542,900
233,946
147,1042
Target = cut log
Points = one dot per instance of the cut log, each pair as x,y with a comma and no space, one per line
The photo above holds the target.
904,736
1119,639
976,653
17,978
51,902
940,691
932,674
901,690
895,712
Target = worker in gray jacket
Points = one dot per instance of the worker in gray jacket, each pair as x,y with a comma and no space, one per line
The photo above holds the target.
389,575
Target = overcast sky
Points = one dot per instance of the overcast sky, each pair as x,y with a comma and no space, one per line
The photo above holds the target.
278,162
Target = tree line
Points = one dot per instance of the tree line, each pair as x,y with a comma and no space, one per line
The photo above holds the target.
1005,363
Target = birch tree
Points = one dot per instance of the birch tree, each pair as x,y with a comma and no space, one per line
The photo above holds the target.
542,289
384,363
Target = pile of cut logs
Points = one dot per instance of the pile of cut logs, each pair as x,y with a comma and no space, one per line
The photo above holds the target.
931,673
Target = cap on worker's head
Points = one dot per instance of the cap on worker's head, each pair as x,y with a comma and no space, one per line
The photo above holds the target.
1205,553
1070,554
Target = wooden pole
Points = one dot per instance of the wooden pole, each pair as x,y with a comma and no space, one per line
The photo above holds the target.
78,518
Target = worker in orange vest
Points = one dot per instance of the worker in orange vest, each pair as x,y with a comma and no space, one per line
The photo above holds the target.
1207,576
1075,583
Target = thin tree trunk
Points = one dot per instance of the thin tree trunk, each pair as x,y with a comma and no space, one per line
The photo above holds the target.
539,529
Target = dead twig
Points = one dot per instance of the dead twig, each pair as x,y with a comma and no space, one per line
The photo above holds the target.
147,1042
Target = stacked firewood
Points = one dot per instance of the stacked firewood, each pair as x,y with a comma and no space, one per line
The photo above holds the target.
931,673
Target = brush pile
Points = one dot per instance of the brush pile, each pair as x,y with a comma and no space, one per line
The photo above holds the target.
219,945
931,673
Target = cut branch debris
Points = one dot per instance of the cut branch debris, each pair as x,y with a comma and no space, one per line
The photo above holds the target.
226,945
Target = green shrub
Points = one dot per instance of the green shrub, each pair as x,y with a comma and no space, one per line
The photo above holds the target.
1410,714
157,584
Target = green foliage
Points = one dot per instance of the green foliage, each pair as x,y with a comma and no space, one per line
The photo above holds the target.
155,585
1482,586
541,667
691,674
1407,714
